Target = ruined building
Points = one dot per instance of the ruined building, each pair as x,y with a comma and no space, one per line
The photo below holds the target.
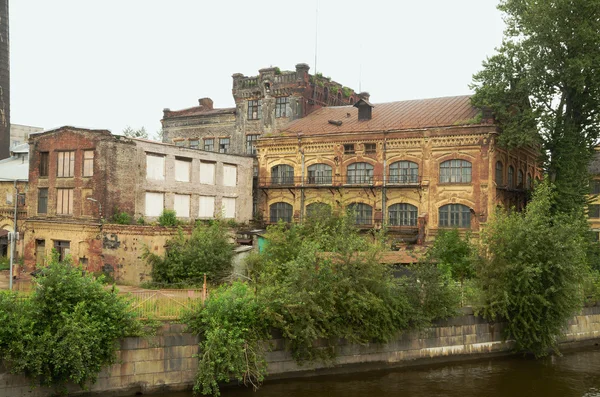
80,178
414,166
263,105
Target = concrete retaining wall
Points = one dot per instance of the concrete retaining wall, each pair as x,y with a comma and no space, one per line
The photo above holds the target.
166,362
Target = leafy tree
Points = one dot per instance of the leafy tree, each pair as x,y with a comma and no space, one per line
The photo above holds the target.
543,86
207,251
139,133
453,254
66,331
168,218
531,269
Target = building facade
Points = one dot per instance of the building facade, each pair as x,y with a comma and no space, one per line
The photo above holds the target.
263,104
80,178
19,134
413,166
14,172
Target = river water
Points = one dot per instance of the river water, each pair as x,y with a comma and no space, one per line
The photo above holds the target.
574,374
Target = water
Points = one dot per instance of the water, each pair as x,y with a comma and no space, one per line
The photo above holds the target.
572,375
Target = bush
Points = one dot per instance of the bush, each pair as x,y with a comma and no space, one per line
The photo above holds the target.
208,251
121,218
531,270
168,218
66,331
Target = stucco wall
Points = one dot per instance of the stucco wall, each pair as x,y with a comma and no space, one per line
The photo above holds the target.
166,362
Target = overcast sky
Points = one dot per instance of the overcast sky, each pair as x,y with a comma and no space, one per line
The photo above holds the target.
113,63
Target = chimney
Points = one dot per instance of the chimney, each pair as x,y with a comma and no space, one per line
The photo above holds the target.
206,103
364,95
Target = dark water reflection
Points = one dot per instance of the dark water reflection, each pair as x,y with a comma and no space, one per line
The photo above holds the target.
572,375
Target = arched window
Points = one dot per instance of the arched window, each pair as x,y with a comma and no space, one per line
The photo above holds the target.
455,215
520,179
281,211
360,173
511,177
402,215
529,181
362,213
499,173
455,171
319,174
282,175
318,210
404,172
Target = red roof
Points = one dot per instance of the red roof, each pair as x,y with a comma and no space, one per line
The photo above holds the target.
403,115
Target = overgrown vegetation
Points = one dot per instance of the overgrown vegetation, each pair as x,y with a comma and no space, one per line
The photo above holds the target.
186,260
120,217
316,283
66,330
168,218
531,271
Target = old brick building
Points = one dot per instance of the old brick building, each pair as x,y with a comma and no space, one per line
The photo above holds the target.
263,104
416,166
80,177
13,190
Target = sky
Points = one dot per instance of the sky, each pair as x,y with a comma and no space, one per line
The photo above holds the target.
109,64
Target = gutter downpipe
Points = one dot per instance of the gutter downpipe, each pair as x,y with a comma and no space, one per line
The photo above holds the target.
13,237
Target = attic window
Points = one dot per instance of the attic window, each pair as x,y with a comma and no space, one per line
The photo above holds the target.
370,147
349,148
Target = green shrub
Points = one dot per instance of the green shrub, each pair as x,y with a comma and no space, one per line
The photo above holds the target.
141,220
66,331
207,251
4,263
121,217
168,218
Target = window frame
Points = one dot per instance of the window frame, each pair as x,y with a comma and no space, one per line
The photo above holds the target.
403,214
224,146
277,209
282,174
349,148
403,172
361,212
209,144
358,176
451,176
499,176
593,211
44,164
319,174
251,143
511,177
87,170
70,162
60,201
455,216
281,104
370,147
40,198
254,109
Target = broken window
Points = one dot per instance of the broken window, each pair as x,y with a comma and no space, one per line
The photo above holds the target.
402,215
207,173
281,104
66,164
40,252
209,144
319,174
228,207
594,211
155,203
64,201
229,175
254,109
223,145
63,248
88,163
370,147
194,143
44,163
251,144
282,175
42,201
183,168
206,207
404,172
155,167
180,143
181,205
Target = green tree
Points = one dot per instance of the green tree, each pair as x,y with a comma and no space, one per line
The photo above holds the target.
66,331
454,254
139,133
543,86
531,269
186,260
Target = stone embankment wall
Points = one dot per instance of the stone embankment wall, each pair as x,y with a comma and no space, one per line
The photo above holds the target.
165,362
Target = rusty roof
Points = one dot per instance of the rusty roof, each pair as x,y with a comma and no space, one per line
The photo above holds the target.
391,116
196,111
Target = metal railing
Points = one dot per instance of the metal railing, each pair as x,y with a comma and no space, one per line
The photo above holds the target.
337,180
165,304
